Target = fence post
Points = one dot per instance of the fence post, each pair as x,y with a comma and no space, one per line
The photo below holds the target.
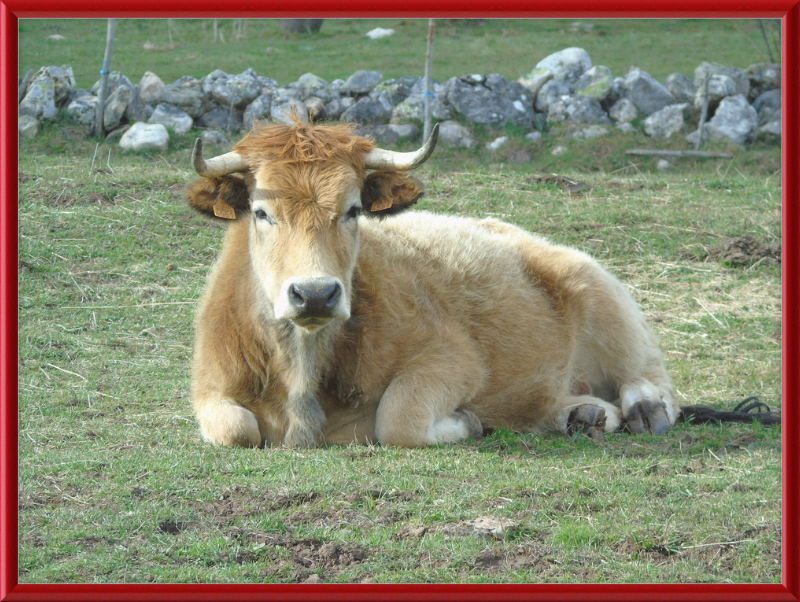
101,97
428,96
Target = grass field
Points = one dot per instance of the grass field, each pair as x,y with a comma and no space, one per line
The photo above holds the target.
117,486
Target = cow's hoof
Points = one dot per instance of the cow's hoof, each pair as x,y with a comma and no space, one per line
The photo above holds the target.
300,438
587,418
474,426
647,417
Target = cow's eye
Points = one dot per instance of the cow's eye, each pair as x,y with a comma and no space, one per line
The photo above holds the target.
354,212
262,215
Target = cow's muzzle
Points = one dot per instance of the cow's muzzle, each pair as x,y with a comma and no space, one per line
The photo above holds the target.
312,302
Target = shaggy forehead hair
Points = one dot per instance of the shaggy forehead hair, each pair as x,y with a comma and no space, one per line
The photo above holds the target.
304,143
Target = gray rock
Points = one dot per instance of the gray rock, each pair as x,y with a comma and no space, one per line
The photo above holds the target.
663,165
150,88
286,94
312,85
734,121
27,126
214,138
577,109
773,127
236,91
534,80
281,113
550,93
389,134
62,79
534,137
681,87
645,92
454,135
220,118
626,128
368,111
669,120
171,116
497,143
771,99
315,107
186,94
335,108
362,82
595,82
83,110
143,136
48,90
397,90
567,65
623,111
116,105
763,77
585,132
413,107
114,80
137,109
257,110
39,102
494,101
722,82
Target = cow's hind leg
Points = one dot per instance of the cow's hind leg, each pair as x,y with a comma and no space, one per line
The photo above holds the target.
584,413
645,409
422,406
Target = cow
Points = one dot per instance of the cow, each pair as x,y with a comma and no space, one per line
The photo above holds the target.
334,315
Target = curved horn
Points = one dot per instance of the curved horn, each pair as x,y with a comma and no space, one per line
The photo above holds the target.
384,159
216,166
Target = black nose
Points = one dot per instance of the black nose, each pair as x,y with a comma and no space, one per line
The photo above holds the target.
315,297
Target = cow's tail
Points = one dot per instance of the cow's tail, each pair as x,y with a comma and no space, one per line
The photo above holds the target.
750,410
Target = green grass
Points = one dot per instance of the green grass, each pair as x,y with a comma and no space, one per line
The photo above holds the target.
510,47
117,486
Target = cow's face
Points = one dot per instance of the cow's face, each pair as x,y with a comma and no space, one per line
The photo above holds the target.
304,240
303,189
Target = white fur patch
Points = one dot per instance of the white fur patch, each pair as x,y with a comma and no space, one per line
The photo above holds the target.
613,414
447,430
636,392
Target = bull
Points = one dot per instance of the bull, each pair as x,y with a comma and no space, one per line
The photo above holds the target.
334,316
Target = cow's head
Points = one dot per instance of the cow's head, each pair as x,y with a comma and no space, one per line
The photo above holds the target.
303,188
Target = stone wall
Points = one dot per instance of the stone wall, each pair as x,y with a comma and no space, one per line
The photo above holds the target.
740,104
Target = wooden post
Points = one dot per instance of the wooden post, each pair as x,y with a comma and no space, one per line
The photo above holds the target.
101,97
703,113
428,96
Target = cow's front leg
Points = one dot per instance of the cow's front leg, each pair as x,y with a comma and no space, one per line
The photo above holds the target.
306,421
225,422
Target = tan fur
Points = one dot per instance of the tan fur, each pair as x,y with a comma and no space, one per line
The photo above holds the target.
444,315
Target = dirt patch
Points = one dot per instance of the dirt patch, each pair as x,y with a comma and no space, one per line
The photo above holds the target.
518,559
309,560
238,502
745,250
172,527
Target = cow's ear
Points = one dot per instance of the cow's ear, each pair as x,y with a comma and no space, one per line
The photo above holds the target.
386,193
223,198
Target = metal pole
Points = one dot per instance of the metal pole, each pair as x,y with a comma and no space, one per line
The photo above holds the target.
428,96
101,97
